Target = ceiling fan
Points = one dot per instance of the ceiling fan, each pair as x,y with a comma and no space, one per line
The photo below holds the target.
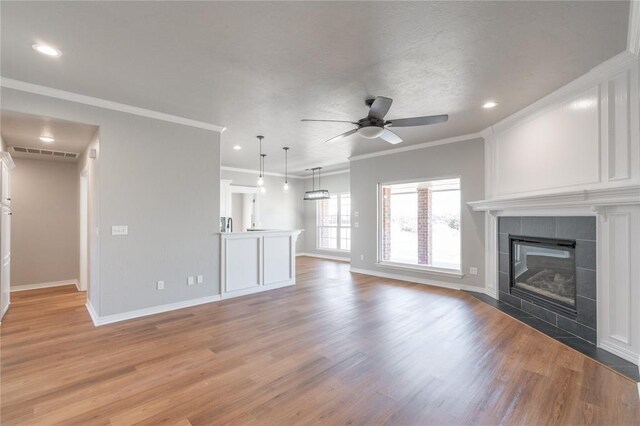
375,126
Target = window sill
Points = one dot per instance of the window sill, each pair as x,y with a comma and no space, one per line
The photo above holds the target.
455,273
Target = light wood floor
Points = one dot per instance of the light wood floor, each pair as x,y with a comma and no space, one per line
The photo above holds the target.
337,348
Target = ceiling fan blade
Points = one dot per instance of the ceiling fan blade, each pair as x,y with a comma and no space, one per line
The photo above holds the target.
380,107
390,137
343,135
418,121
330,121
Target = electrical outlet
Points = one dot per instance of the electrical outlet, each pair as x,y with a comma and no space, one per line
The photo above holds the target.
160,285
362,257
199,279
473,270
190,280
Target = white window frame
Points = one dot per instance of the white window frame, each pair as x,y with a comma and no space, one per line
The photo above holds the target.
339,226
457,273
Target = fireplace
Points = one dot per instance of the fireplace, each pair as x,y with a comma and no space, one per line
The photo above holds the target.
543,271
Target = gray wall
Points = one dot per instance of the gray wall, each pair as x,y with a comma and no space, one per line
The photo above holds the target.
162,180
278,209
45,231
334,184
464,159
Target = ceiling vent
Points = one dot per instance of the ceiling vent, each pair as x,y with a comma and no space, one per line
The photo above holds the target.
46,152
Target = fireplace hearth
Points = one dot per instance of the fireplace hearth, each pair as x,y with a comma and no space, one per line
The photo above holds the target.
543,271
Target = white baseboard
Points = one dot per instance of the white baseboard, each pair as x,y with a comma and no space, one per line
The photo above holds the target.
257,289
4,311
325,256
46,285
109,319
415,280
624,354
92,312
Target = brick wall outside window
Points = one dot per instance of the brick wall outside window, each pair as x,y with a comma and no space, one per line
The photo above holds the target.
425,246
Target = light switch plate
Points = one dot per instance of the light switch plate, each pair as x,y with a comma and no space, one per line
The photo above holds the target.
160,285
190,280
119,230
199,279
473,270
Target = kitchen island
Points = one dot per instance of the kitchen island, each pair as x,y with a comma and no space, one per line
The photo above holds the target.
255,261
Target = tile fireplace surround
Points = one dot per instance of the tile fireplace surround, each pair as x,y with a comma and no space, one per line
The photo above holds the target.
582,229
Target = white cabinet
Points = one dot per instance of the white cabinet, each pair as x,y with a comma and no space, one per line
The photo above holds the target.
6,165
256,261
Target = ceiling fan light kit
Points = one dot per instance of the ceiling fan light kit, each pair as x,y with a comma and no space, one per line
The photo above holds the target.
374,125
316,194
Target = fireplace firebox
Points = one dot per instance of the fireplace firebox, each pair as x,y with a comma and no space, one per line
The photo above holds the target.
543,271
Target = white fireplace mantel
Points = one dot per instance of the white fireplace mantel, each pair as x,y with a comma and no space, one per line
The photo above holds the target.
593,199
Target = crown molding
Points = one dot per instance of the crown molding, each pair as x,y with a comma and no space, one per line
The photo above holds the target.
257,172
633,35
593,77
337,172
103,103
392,151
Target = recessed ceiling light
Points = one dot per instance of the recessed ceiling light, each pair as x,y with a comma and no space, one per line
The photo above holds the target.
237,147
46,50
47,139
490,104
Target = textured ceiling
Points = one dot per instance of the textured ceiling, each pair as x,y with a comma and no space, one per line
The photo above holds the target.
25,130
258,68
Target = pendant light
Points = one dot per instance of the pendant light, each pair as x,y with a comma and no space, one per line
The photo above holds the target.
316,194
285,187
260,178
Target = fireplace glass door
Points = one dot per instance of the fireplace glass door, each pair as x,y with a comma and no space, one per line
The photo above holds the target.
544,270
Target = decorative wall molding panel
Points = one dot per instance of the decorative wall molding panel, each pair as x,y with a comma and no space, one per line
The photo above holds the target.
618,282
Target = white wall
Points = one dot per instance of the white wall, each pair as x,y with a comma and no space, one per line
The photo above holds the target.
278,209
338,183
45,233
162,180
463,159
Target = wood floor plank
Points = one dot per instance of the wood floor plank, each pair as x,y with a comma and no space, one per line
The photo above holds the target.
337,348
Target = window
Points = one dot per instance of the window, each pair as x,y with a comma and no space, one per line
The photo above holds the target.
420,224
334,222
